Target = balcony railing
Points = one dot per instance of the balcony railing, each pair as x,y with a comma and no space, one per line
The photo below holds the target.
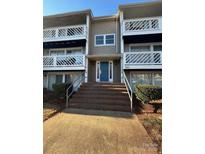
142,26
64,62
143,60
64,33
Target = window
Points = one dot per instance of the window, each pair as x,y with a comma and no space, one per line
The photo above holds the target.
157,47
106,39
109,39
56,52
67,78
73,51
146,79
157,79
98,71
59,79
99,40
111,71
140,48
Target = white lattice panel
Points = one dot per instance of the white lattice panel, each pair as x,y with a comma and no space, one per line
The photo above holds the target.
137,58
64,61
142,24
68,32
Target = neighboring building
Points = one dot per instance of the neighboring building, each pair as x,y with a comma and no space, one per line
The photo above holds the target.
104,47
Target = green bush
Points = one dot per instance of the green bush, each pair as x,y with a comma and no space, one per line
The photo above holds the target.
148,92
60,89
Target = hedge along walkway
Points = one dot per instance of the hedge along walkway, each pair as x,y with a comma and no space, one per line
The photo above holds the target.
96,132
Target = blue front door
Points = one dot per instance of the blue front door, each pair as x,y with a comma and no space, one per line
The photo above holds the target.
104,71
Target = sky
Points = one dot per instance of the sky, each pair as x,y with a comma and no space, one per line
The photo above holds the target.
98,7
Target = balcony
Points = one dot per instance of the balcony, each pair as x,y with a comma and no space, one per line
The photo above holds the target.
64,62
142,26
64,33
143,60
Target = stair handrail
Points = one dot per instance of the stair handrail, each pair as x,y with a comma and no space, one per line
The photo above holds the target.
129,90
80,79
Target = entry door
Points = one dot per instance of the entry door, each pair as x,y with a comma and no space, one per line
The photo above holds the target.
104,67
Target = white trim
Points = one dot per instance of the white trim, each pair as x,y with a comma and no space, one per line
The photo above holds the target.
97,79
110,79
87,46
121,45
64,68
104,40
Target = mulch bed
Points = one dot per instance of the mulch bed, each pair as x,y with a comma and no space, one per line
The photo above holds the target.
49,110
51,104
152,122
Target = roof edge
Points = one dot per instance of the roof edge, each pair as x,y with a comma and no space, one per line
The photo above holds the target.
87,11
140,4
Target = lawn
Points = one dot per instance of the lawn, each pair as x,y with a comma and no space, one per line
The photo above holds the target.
153,125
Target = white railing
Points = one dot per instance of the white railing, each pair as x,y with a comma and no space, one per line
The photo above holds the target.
142,58
64,33
129,90
70,90
64,61
142,26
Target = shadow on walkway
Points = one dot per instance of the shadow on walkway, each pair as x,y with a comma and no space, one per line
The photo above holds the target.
115,114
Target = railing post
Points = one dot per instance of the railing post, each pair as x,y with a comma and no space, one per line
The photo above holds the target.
54,61
66,98
56,33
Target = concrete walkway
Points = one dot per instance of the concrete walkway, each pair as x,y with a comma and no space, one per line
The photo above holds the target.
96,132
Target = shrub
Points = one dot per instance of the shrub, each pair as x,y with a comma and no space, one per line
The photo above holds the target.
60,89
148,92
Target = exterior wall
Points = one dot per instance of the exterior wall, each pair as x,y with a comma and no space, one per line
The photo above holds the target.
116,71
91,71
104,27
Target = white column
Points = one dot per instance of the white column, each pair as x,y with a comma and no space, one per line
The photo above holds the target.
87,47
121,44
63,80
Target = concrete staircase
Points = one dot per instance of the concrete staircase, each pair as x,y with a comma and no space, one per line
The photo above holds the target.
101,96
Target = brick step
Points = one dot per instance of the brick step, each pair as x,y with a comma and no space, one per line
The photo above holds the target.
99,84
105,92
101,96
100,107
100,101
104,86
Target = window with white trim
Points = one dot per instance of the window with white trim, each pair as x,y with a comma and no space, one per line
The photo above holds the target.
146,78
140,48
145,47
59,79
105,40
99,40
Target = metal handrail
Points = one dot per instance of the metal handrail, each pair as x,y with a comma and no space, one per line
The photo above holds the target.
80,78
129,90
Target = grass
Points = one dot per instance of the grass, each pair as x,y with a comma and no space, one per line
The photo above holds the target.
153,125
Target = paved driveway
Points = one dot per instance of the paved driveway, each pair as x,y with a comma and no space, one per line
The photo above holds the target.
96,132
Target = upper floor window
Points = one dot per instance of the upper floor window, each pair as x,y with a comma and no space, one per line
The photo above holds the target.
105,40
145,47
